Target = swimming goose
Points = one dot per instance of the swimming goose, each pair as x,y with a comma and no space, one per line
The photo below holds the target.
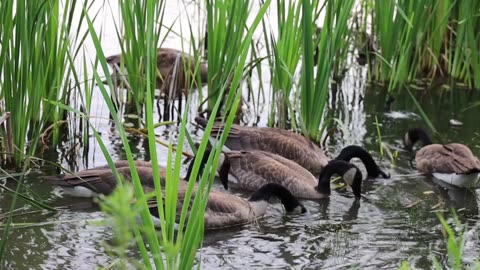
223,209
252,169
452,163
227,210
101,180
167,59
289,145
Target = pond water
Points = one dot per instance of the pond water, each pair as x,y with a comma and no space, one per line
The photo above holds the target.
395,222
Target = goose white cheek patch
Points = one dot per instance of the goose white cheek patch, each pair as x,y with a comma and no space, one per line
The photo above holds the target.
407,139
349,175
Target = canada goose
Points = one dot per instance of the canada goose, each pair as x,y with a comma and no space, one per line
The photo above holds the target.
169,64
252,169
290,145
101,180
452,163
227,210
223,209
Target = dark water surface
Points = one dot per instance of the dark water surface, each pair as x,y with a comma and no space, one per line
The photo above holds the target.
395,222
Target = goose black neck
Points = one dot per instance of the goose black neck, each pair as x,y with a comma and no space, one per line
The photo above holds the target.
204,160
418,134
201,121
355,151
222,170
286,197
339,167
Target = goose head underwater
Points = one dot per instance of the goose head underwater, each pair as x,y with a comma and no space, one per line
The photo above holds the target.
453,163
228,210
250,170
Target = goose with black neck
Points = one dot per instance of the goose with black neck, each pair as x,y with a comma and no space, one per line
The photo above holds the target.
249,170
453,163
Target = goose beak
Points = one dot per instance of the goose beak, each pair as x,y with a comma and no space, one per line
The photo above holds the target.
384,174
225,183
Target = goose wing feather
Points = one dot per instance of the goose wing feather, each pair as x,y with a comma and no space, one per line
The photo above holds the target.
254,169
450,158
102,180
281,142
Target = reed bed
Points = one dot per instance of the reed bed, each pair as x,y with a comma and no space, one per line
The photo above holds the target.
315,81
426,39
285,53
39,44
135,51
38,47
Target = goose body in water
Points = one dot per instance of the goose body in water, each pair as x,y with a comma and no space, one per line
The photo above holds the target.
101,180
223,209
171,63
228,210
291,146
252,169
453,163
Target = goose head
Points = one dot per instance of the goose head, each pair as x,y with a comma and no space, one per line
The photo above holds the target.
355,151
414,135
348,171
291,204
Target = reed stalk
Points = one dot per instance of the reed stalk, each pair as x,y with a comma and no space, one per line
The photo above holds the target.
426,38
134,37
229,39
286,49
38,46
314,88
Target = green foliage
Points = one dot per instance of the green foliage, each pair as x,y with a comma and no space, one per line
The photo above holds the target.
426,38
455,241
314,88
229,39
38,46
169,248
140,30
284,59
123,217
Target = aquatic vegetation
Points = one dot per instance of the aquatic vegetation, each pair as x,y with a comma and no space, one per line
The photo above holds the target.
136,53
455,243
229,39
314,88
39,44
284,58
436,39
171,249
